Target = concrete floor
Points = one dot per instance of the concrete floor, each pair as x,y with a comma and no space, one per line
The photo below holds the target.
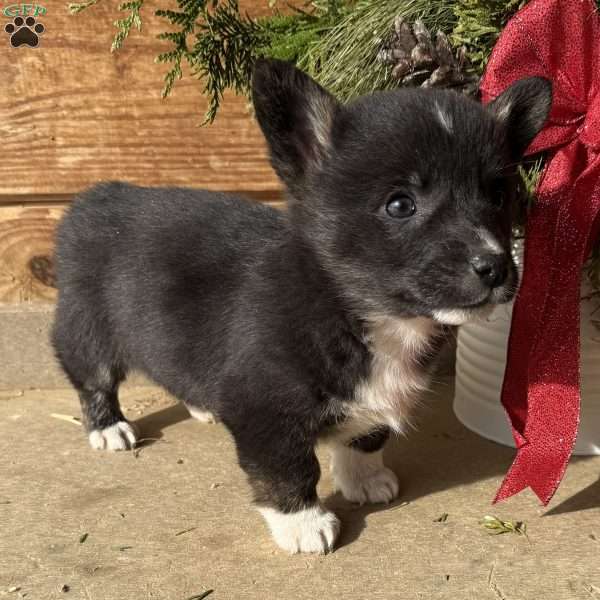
174,520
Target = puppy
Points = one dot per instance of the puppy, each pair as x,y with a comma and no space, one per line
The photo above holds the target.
315,325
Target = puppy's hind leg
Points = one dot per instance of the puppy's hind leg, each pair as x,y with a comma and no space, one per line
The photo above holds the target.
96,375
107,428
358,470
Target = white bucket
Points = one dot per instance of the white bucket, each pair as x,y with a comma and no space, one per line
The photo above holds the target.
480,362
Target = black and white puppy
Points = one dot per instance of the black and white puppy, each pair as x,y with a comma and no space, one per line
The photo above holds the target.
317,325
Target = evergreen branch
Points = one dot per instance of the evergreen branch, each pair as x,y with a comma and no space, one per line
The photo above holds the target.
291,36
227,43
124,25
186,19
530,172
334,7
478,26
344,58
77,7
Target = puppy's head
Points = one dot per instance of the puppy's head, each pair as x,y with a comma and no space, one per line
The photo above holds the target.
405,195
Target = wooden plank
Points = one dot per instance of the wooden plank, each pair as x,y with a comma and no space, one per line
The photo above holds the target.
26,248
72,113
27,251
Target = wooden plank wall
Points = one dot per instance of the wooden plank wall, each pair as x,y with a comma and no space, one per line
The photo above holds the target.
72,114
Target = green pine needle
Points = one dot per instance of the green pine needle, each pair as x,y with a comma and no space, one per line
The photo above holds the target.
186,19
201,596
478,25
344,60
125,25
224,51
77,7
227,42
497,526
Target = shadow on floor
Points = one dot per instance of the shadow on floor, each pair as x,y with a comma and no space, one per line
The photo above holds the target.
585,499
439,455
151,426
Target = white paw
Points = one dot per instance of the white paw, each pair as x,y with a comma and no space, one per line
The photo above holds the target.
362,477
120,436
381,486
204,416
309,530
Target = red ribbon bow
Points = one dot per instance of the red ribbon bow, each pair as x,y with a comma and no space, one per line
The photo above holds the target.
559,40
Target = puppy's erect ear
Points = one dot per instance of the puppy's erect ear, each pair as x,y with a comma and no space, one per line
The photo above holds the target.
296,116
523,108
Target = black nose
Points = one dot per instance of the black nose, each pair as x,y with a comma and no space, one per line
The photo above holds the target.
491,268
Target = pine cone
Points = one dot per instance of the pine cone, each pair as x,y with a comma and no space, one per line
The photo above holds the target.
417,61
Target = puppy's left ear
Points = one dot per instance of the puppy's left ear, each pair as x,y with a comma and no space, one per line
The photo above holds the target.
296,116
523,109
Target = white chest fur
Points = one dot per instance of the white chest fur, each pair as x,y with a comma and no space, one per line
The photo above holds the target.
396,378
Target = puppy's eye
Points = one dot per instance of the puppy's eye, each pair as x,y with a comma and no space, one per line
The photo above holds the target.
400,206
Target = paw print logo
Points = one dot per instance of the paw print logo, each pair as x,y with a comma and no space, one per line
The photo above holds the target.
24,31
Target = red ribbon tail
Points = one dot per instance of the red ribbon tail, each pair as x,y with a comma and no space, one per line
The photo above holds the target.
519,477
513,483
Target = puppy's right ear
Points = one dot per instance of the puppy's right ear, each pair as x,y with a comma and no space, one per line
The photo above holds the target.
296,116
523,109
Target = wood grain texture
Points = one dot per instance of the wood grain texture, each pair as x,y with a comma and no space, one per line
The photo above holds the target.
26,253
72,113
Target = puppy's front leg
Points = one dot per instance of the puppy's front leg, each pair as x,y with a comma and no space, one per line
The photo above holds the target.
358,470
278,457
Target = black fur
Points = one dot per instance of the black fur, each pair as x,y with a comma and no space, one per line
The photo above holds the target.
261,316
373,441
